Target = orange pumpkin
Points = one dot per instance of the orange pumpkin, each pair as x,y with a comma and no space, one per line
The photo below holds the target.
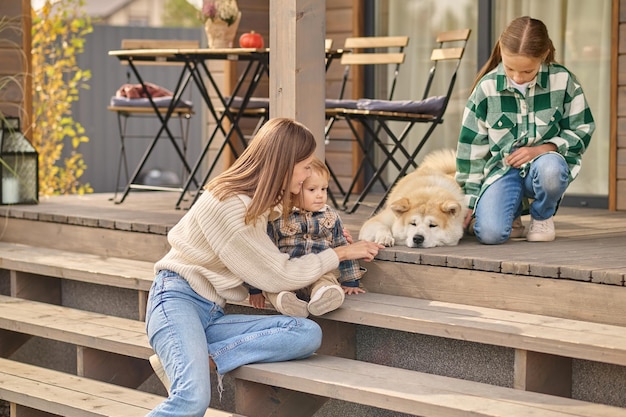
251,40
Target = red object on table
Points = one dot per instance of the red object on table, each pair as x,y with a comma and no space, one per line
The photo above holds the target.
251,40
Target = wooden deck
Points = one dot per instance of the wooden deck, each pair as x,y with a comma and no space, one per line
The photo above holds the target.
590,243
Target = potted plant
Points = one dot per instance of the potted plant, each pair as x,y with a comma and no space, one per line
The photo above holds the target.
221,21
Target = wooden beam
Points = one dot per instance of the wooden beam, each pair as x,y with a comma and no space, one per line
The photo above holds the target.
35,287
544,373
254,399
297,72
110,367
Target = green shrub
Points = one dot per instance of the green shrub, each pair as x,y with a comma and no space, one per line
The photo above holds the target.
59,31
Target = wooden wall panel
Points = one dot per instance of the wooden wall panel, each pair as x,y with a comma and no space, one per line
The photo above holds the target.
621,163
15,45
621,195
617,175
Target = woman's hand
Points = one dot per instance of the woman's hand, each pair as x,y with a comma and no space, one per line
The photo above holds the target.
362,249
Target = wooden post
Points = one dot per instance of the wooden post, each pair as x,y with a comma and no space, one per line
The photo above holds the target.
297,73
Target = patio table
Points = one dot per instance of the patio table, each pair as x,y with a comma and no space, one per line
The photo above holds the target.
194,71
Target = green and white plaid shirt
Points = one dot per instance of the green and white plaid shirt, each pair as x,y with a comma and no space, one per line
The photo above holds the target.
498,118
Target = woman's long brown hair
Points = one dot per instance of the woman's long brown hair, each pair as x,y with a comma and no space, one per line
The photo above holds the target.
265,168
523,36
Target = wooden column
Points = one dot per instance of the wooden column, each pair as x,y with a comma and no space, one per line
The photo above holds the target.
15,61
297,76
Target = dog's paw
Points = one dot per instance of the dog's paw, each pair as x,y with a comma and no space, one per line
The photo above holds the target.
385,239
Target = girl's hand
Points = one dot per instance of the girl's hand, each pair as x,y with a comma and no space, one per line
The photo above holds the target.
468,219
526,154
353,290
257,300
362,249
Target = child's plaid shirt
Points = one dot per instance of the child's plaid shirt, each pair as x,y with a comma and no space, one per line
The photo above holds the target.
306,232
498,118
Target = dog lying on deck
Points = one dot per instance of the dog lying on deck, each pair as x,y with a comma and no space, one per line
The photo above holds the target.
424,209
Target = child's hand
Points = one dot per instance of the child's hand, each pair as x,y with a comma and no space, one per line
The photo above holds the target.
353,290
257,300
347,235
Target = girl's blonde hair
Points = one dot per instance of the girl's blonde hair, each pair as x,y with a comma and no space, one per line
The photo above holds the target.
523,36
265,168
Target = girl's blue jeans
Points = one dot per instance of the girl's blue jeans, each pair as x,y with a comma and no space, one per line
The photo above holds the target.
545,182
185,328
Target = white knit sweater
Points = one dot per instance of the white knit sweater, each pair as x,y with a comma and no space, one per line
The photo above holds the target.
215,251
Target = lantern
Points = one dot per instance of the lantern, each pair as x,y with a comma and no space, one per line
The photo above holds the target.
18,165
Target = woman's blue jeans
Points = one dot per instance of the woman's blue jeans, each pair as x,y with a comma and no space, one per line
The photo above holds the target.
545,182
185,328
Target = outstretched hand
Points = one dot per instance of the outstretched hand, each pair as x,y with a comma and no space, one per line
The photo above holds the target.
361,250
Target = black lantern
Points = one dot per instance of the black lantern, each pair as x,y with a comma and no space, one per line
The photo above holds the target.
18,165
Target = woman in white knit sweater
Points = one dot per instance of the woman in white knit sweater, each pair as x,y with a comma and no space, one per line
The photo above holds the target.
219,244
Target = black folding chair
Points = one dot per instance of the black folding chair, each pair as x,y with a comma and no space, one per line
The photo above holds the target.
163,109
361,52
375,117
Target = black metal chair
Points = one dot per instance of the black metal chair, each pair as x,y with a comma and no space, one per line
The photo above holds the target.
375,117
360,52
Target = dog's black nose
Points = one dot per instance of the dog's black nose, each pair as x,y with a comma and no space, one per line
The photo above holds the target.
418,240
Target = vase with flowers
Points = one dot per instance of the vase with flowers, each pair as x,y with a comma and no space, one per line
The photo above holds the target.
221,21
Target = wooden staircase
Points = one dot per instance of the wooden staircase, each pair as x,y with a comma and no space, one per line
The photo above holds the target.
469,330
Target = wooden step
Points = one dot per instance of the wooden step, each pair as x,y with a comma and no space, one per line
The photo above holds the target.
78,266
544,346
108,348
67,395
32,267
82,328
342,378
540,342
542,296
551,335
399,390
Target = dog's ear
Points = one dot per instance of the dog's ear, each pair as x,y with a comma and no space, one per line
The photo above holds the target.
400,206
453,208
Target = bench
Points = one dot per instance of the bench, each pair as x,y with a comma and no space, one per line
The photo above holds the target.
394,389
28,387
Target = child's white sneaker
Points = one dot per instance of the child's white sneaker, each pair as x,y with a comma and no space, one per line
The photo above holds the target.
541,230
156,364
325,299
289,304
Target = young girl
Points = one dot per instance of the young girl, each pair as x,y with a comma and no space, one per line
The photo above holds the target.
218,244
311,227
525,128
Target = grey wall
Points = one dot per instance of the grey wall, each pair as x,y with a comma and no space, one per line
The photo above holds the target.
107,75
